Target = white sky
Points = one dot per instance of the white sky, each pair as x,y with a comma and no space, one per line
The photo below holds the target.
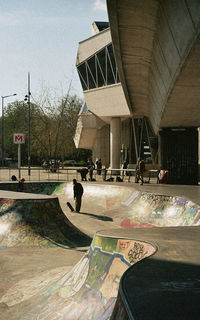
41,37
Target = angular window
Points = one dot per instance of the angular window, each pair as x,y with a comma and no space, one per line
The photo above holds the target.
99,70
112,60
92,69
101,56
100,79
83,76
91,81
109,75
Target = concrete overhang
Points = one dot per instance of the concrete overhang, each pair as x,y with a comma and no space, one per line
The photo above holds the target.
157,51
107,102
86,130
90,46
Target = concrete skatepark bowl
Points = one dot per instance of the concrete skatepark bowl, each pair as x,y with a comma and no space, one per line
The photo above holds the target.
143,264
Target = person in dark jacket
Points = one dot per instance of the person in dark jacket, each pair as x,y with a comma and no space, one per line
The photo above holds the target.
83,172
78,192
99,166
91,168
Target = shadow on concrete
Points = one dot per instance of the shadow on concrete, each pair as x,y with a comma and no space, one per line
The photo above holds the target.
39,222
169,290
103,218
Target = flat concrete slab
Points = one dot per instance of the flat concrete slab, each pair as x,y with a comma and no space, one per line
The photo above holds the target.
26,271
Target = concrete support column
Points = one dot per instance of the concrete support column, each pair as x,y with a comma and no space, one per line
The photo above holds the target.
101,147
115,143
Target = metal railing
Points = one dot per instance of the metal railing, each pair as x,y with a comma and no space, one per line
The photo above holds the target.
68,174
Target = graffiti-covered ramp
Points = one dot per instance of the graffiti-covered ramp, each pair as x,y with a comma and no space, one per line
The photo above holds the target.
166,285
90,289
37,222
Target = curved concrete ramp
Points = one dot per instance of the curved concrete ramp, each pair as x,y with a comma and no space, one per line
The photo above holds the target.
160,229
37,222
90,289
167,284
132,208
128,206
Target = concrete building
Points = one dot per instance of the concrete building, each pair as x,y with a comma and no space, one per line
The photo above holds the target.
105,124
141,79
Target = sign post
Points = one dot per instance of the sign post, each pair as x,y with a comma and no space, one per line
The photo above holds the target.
19,138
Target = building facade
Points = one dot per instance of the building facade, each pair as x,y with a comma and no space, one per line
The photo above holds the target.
105,122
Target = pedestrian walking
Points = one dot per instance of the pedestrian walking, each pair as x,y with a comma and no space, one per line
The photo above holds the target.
140,171
91,168
99,166
78,193
125,166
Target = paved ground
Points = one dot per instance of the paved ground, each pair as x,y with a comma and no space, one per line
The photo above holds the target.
29,273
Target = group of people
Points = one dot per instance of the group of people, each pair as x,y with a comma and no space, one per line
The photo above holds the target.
78,188
140,169
20,182
90,169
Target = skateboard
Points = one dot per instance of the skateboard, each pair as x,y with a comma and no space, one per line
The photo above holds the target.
70,206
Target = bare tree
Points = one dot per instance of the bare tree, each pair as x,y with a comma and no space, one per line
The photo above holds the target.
53,123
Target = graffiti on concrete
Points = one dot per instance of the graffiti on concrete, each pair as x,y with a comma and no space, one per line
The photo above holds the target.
137,252
37,222
153,210
47,188
26,288
90,289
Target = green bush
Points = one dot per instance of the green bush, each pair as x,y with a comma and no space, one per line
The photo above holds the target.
73,163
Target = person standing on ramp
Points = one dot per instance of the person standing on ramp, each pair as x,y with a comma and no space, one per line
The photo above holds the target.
78,192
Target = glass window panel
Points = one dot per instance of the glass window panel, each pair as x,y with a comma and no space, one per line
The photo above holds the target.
91,82
110,77
101,56
112,58
91,64
82,75
100,79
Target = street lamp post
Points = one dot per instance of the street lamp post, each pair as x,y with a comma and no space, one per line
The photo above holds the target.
27,98
2,126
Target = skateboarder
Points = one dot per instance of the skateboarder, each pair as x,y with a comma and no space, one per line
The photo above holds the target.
78,192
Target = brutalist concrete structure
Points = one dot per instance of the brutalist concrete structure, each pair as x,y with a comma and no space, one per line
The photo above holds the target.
143,72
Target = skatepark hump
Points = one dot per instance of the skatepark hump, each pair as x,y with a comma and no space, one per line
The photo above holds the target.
144,228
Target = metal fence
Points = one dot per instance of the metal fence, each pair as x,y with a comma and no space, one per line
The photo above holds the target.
68,174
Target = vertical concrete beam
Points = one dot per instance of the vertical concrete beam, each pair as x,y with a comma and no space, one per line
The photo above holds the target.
102,144
115,142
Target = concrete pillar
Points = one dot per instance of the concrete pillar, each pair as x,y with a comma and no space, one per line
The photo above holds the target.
101,148
115,143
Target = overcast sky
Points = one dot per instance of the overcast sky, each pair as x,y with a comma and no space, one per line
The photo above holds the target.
41,37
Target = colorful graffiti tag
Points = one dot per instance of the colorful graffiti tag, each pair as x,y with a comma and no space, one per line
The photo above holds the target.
89,290
152,210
